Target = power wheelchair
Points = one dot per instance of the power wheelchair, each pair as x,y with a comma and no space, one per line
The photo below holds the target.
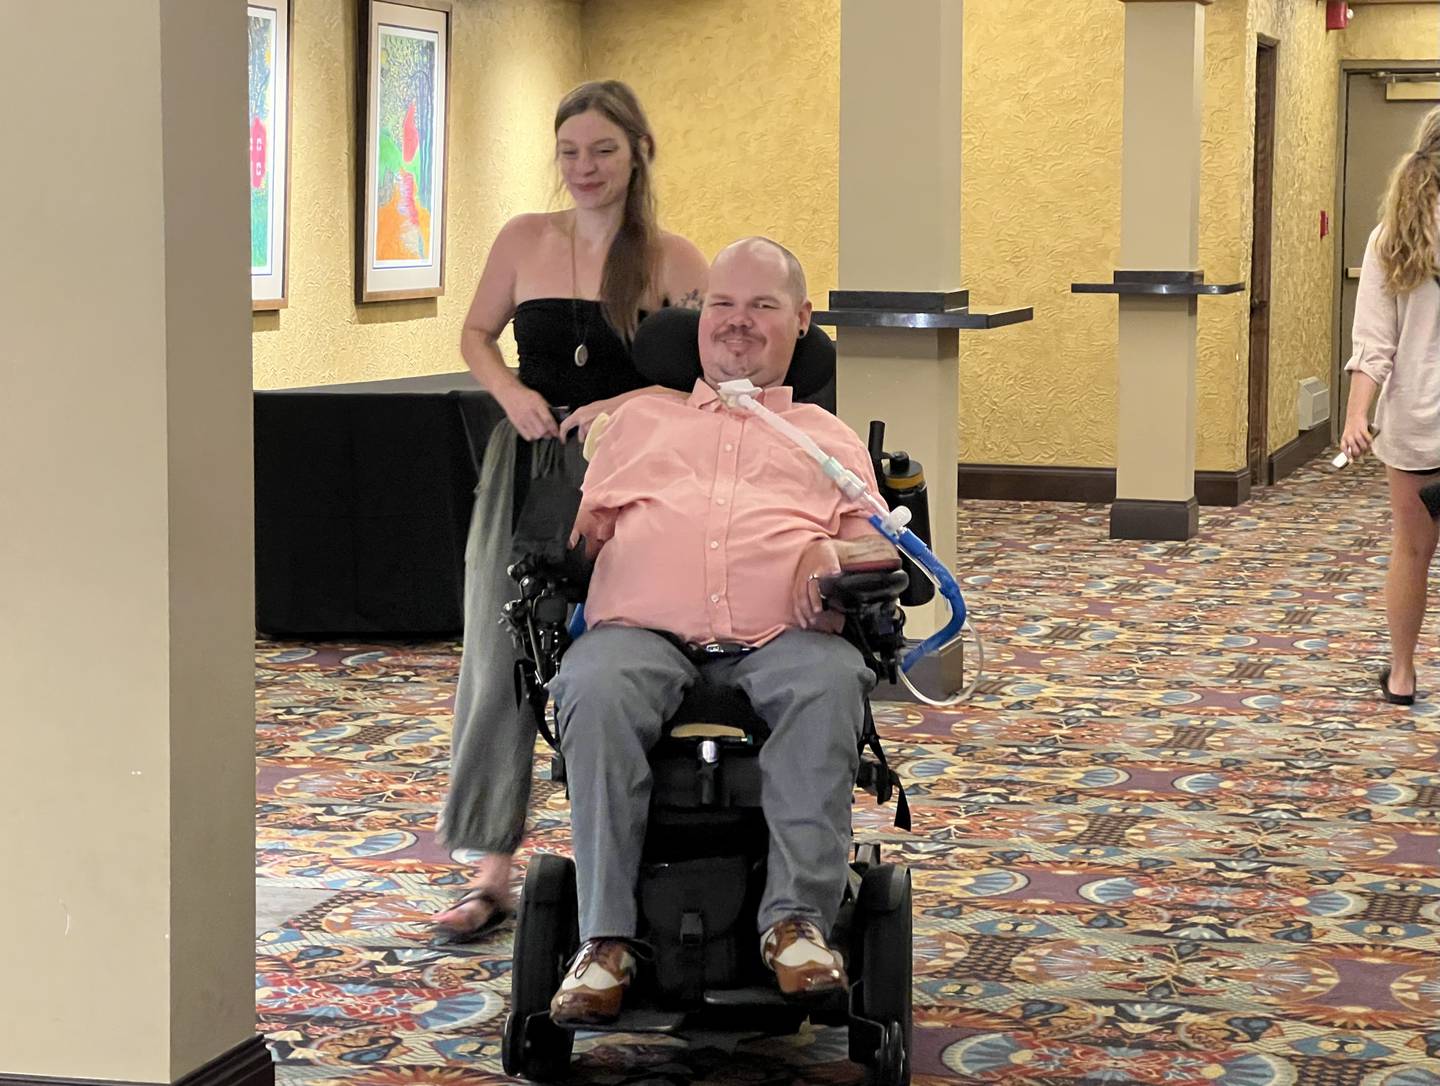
703,868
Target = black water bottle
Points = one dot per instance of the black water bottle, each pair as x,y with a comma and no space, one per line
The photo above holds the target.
902,483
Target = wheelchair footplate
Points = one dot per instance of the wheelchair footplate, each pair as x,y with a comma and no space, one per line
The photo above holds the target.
642,1020
721,1004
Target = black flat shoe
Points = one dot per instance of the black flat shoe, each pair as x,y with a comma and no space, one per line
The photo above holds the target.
1392,698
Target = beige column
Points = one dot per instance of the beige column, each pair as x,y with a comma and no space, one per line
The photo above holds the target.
900,95
1160,167
1159,245
126,610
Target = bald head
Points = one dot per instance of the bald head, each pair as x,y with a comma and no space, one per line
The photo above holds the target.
760,246
755,309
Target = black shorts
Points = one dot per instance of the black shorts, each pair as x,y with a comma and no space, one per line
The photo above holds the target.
1422,471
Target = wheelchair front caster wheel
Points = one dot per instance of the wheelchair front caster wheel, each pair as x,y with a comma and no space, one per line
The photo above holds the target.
546,935
535,1049
891,1067
886,945
512,1046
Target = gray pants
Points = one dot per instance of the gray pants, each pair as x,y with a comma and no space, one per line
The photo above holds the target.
616,688
492,745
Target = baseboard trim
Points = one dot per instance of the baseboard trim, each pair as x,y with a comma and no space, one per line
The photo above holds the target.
247,1064
1039,482
1135,518
1295,454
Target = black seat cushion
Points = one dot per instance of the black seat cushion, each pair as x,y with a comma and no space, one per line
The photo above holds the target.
706,703
667,352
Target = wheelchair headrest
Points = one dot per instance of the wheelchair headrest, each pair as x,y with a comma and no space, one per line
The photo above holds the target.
666,351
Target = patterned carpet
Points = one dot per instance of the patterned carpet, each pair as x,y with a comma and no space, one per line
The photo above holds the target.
1175,839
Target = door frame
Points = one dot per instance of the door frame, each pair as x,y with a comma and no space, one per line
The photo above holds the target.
1337,220
1262,229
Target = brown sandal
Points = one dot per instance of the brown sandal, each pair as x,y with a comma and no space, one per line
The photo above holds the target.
444,935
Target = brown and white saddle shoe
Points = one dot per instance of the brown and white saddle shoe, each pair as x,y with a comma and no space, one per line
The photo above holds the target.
803,962
594,985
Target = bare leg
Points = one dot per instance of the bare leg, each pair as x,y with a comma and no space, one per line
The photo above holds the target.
1412,535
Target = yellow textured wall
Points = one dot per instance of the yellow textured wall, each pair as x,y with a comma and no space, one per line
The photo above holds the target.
1392,32
1226,199
1302,277
744,99
1041,209
743,95
735,89
1043,148
511,62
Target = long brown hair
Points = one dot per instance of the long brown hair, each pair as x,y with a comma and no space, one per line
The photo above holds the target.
631,263
1409,243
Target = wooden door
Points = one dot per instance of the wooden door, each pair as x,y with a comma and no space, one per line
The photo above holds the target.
1258,433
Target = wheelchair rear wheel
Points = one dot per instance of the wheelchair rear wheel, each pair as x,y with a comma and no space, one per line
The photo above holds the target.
886,944
546,936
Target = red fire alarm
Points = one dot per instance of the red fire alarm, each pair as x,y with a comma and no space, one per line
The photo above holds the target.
1337,14
1324,224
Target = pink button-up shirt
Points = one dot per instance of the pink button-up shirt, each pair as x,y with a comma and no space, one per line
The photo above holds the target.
704,512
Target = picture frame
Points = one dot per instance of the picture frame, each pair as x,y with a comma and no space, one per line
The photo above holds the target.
269,23
403,112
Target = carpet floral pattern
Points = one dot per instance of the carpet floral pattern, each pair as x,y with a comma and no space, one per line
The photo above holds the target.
1175,839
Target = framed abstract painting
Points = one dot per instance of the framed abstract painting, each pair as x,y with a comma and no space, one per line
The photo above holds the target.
404,85
269,124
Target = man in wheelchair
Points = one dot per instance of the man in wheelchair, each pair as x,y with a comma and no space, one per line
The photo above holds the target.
712,536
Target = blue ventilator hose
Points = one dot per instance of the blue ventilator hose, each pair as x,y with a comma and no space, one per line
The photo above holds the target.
944,580
577,622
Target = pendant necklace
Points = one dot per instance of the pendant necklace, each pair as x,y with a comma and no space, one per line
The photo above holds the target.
582,353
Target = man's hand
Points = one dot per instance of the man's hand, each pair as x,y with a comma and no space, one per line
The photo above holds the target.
818,560
827,558
582,418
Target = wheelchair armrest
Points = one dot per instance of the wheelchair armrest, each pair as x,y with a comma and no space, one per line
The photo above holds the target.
851,593
874,620
566,574
538,621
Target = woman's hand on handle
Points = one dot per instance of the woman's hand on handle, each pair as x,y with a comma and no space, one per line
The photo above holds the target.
528,411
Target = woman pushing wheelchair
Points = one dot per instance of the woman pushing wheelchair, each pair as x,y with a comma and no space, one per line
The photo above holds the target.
576,283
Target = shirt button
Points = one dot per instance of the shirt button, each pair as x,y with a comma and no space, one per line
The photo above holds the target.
729,447
714,545
715,599
719,501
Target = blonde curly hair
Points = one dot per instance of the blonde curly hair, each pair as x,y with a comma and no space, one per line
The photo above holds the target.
1409,243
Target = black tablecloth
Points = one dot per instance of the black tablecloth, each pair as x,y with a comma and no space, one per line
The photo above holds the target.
362,503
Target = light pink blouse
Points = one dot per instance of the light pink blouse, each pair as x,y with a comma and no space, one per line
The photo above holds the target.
1397,345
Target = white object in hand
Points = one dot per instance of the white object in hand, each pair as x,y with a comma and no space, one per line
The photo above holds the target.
1340,460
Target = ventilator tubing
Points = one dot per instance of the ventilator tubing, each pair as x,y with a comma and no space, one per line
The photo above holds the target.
890,523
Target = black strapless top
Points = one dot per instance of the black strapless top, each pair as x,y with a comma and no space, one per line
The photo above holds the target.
547,331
